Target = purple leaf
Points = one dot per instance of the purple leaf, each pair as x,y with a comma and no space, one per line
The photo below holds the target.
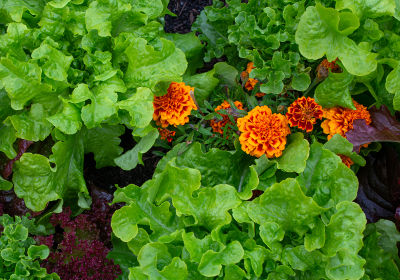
383,128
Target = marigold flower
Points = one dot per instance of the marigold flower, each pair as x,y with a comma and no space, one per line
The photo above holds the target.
218,125
340,120
303,113
260,94
346,160
174,107
166,134
250,82
324,67
263,132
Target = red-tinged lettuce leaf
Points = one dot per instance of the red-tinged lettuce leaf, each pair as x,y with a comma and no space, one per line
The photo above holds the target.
383,128
23,146
379,185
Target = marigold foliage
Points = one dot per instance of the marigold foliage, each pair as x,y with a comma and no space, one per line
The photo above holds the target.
218,125
263,132
340,120
304,113
174,107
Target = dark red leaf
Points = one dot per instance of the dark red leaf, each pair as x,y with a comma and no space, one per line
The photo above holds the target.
383,128
23,146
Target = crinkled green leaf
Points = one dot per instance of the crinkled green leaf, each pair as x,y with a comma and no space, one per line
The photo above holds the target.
393,86
16,8
69,120
285,204
301,259
56,65
368,8
335,91
324,31
148,66
301,81
5,105
141,211
41,252
211,262
327,179
104,142
139,106
38,183
130,159
22,81
274,84
157,263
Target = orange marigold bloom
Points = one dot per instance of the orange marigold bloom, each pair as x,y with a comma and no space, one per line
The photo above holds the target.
303,113
260,94
250,67
218,125
346,160
340,120
263,132
174,107
250,84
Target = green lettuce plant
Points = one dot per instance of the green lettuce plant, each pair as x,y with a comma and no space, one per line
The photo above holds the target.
74,74
194,219
364,36
19,256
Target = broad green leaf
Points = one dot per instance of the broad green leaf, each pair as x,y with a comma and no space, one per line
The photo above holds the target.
324,31
295,155
301,259
326,179
15,8
32,125
368,8
148,66
301,81
139,106
38,183
341,146
203,84
211,262
274,84
335,91
104,142
158,264
285,204
5,185
380,250
226,74
8,137
121,255
197,247
5,105
130,159
393,86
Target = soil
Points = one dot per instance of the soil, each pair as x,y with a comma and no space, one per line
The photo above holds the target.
186,12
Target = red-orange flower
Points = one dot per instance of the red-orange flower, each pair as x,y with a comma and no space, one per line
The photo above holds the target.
174,107
218,125
346,160
260,94
263,132
166,134
339,120
303,113
250,82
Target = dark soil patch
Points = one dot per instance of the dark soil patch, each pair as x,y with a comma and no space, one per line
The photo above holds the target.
186,11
